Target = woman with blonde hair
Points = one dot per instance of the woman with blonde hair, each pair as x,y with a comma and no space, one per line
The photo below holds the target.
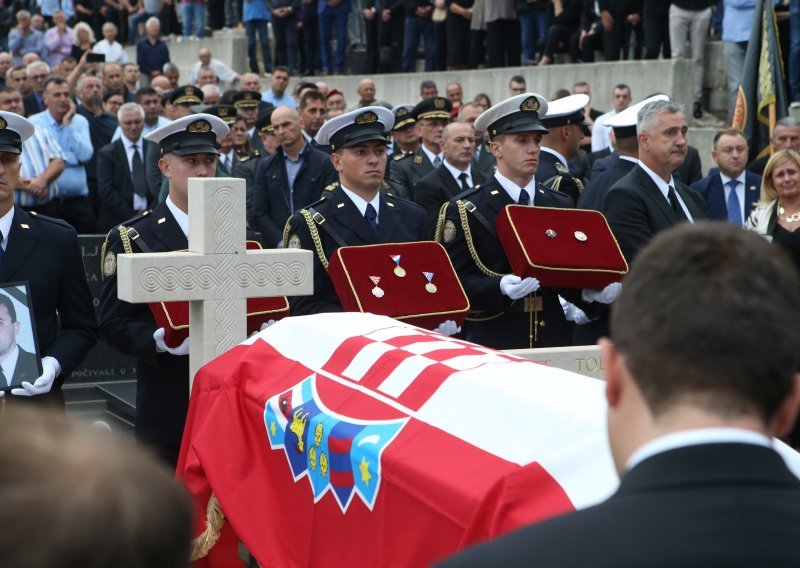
84,39
777,214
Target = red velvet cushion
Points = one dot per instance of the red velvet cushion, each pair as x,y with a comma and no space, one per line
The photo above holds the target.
569,248
174,316
404,298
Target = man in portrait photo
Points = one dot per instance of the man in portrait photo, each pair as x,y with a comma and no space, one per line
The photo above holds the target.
16,364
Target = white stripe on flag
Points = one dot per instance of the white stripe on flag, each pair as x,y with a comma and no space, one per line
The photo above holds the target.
365,359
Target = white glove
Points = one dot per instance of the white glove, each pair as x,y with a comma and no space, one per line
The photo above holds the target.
447,327
515,288
50,368
182,349
573,313
264,326
604,296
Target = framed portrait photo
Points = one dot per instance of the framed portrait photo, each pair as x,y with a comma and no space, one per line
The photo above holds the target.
20,360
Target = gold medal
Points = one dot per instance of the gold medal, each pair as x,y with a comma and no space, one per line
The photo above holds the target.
430,287
399,271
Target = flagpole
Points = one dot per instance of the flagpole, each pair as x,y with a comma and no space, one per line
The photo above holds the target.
771,110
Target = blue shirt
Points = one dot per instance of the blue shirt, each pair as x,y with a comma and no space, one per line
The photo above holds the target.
255,10
151,56
76,144
37,153
292,169
19,44
737,20
284,100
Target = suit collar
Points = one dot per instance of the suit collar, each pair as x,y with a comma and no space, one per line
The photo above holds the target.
171,236
22,240
708,465
652,192
345,212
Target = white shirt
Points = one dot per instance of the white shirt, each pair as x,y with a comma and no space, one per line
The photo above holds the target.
181,217
224,73
114,52
5,226
9,364
139,201
663,187
361,203
739,190
629,158
513,190
696,437
456,172
431,155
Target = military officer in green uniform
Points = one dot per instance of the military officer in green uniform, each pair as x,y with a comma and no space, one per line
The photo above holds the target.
431,116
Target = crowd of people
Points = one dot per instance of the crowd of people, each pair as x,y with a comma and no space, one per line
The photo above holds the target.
92,142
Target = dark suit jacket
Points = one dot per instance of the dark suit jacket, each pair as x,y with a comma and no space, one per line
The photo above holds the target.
713,192
46,253
757,166
27,368
31,104
550,169
399,221
691,170
438,187
636,210
592,196
162,379
115,182
504,324
732,505
485,162
406,172
271,203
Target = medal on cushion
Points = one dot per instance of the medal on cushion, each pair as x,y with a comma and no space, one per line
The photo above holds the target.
399,271
377,291
430,287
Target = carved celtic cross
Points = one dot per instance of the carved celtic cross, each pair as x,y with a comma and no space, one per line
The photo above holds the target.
218,274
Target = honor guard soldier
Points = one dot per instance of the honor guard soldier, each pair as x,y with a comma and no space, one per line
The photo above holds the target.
354,211
246,166
188,149
404,133
432,115
184,98
567,125
45,253
509,312
247,105
227,155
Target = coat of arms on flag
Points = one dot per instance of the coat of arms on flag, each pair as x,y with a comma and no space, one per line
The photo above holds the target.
335,452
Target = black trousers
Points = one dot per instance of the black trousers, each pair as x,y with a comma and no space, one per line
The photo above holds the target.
655,23
458,40
557,39
504,43
616,39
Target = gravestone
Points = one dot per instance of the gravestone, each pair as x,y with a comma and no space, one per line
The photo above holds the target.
581,359
217,274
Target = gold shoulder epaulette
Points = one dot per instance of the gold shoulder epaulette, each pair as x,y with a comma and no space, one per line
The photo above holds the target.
332,186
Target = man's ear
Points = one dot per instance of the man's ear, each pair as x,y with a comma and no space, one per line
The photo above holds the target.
613,372
786,415
163,165
336,160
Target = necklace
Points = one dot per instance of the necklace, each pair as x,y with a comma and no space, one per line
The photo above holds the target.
793,218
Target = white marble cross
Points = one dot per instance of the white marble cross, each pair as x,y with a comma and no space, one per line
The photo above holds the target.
218,274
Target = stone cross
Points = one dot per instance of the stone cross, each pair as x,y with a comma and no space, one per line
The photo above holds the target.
218,274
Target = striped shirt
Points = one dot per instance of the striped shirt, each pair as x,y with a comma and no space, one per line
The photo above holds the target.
37,153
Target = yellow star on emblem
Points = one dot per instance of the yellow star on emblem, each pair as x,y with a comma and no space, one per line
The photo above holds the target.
364,468
272,428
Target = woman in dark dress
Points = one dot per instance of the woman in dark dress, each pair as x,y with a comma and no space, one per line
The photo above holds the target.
777,215
84,40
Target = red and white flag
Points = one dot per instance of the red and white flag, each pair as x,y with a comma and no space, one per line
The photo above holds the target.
357,440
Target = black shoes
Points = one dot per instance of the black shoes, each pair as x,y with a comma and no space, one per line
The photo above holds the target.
698,111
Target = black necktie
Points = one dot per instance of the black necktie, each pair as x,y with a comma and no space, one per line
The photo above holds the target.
2,252
372,218
464,184
524,197
676,206
139,180
3,379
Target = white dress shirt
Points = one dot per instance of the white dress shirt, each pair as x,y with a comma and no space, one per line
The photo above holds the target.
663,187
